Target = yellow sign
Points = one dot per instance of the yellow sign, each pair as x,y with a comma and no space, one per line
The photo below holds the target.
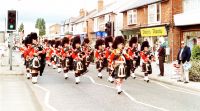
156,31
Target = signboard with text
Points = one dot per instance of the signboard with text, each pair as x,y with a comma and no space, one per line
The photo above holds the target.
156,31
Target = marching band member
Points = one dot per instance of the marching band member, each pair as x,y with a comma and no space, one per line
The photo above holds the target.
49,51
109,49
26,52
78,57
34,57
65,52
58,56
146,57
119,59
53,53
88,51
134,55
99,56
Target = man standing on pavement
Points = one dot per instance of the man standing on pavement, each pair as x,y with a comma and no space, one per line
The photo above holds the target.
161,57
183,57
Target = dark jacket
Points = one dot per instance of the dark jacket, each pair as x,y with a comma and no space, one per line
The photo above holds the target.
186,54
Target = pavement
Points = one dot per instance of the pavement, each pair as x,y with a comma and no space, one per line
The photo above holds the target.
15,93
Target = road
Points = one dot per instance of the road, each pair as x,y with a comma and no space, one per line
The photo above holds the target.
94,94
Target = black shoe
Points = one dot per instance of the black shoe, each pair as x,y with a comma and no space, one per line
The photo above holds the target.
147,81
66,77
100,77
28,77
119,92
77,82
186,82
111,81
134,77
179,81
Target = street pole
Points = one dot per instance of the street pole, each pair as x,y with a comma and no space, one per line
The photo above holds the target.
10,50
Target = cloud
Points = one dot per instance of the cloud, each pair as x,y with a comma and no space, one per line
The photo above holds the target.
53,11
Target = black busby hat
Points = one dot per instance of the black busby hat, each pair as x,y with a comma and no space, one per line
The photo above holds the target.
27,40
107,40
45,40
144,44
58,43
86,41
98,43
118,40
76,40
53,42
65,40
132,41
33,36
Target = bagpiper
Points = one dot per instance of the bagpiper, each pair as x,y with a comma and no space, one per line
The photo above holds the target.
27,48
58,55
66,54
108,51
134,54
119,59
78,57
53,54
99,56
88,51
146,57
35,57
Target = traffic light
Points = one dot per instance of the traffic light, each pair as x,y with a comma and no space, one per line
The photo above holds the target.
11,21
108,28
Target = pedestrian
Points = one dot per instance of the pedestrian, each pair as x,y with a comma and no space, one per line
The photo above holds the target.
161,58
183,58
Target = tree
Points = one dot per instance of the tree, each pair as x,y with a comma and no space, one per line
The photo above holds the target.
41,25
21,28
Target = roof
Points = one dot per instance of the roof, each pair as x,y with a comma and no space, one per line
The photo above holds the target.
89,15
139,3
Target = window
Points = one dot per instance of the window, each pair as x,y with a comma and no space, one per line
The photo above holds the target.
154,13
190,5
132,17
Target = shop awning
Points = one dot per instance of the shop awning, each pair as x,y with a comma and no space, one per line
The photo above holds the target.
188,18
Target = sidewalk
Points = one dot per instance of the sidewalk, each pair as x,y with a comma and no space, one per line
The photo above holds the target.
15,94
169,77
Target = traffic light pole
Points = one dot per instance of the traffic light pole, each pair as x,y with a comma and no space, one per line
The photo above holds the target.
10,50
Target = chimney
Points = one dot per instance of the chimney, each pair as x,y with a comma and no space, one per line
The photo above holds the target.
100,5
82,12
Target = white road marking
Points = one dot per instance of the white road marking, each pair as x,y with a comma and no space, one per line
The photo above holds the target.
128,95
183,90
46,99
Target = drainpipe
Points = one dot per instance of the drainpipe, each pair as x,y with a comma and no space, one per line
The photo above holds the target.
172,29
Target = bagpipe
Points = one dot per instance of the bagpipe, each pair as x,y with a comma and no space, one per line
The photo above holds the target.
147,64
120,66
101,60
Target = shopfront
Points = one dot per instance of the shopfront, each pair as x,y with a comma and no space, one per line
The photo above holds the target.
128,33
154,35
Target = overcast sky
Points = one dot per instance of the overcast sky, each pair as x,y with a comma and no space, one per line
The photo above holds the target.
53,11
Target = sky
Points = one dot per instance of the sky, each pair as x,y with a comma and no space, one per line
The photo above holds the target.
53,11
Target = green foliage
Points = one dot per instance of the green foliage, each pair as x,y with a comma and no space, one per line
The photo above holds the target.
195,71
41,25
21,27
196,52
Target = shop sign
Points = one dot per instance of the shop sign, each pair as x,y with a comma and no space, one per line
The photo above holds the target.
156,31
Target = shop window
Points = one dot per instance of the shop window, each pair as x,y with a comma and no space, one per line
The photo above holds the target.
154,13
132,17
